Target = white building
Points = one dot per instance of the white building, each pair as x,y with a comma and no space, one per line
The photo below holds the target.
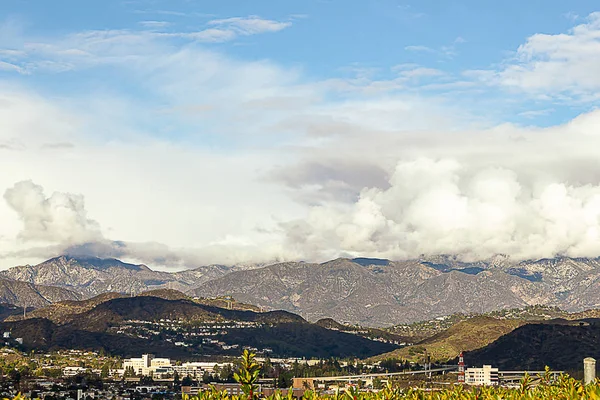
192,369
481,376
72,371
148,365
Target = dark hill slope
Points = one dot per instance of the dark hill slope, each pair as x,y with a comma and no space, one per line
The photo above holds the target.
108,326
149,308
8,310
40,334
470,334
63,311
560,345
371,333
308,340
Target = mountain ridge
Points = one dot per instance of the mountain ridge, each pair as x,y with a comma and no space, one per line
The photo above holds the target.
185,328
25,294
367,291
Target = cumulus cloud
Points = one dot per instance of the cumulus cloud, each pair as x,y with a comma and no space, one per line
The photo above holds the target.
59,218
59,224
442,207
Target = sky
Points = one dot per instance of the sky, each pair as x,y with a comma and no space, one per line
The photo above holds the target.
184,133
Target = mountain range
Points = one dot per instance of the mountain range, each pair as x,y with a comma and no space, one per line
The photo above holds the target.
369,292
91,276
385,293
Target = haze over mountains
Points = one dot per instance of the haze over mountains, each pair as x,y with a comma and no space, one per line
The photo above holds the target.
369,292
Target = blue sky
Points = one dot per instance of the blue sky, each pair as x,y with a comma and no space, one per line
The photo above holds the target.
325,39
352,118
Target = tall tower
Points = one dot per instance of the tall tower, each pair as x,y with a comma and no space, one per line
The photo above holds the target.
461,368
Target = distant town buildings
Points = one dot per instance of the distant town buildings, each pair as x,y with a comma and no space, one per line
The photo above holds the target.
148,365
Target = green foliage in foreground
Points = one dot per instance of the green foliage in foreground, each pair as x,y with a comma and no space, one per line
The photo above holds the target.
564,388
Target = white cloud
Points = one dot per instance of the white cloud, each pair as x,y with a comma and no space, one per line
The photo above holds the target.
446,51
5,66
536,113
419,48
60,218
223,160
447,207
572,16
250,25
421,72
213,35
120,46
230,28
165,205
164,12
155,24
556,64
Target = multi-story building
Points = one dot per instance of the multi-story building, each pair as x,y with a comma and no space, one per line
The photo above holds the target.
160,367
192,369
148,365
481,376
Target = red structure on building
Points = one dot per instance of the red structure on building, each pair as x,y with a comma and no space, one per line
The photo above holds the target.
461,368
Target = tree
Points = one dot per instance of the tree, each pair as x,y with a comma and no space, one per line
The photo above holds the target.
247,375
187,381
267,369
105,371
14,375
283,381
377,384
129,372
226,373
